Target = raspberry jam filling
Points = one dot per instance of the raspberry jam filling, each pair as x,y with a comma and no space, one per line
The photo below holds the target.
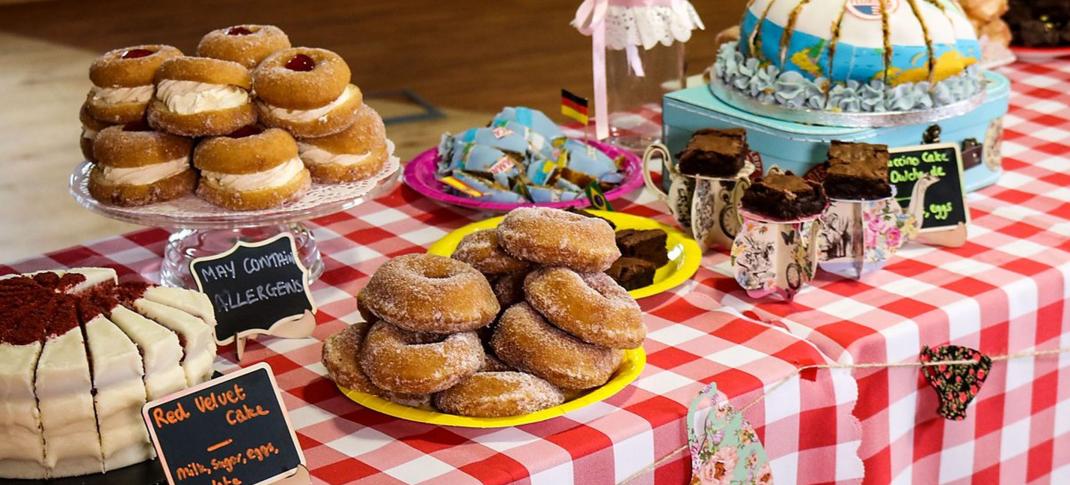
247,130
300,63
136,53
238,30
139,125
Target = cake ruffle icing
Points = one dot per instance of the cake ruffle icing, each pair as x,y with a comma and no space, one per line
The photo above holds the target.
852,55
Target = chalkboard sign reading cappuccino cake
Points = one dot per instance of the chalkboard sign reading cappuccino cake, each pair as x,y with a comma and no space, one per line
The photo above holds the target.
256,288
231,430
936,170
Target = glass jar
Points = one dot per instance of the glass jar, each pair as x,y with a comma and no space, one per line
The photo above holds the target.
634,103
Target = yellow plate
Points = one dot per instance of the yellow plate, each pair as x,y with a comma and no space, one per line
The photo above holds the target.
630,367
684,253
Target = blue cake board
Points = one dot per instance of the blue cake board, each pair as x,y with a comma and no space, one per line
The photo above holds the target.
799,147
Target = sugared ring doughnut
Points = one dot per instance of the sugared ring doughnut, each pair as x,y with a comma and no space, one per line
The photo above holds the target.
329,119
362,308
499,394
137,166
590,306
527,342
90,127
301,78
122,81
509,288
248,150
246,44
136,144
428,293
341,357
357,153
199,96
481,250
417,363
554,237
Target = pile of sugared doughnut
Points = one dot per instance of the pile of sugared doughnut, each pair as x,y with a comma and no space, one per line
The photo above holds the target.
247,124
436,335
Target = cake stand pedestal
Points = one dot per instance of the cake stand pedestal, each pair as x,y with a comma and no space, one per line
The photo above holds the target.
200,229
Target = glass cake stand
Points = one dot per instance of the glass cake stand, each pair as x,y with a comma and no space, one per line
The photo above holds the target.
200,229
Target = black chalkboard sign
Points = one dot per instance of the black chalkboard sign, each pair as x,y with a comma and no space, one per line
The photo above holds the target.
944,200
254,286
229,430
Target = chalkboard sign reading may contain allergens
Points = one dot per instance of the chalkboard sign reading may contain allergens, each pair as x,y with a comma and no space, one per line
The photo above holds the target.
945,201
254,286
230,430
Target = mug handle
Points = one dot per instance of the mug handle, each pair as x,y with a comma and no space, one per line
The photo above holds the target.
661,152
742,183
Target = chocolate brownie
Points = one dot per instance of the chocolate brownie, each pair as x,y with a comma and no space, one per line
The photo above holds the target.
645,244
632,273
857,171
784,197
714,153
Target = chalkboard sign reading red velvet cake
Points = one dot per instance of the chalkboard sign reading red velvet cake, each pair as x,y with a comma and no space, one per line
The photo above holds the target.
231,430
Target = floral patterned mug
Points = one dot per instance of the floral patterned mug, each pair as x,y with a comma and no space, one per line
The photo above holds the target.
775,258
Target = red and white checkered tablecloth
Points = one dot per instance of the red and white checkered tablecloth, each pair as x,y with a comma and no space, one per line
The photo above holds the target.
1004,292
806,424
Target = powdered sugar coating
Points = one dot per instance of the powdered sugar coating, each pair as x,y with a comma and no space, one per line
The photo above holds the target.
525,340
590,306
428,293
554,237
341,357
247,50
406,362
481,250
499,394
277,85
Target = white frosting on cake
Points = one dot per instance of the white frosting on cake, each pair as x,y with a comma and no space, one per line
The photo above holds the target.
22,451
161,353
136,94
306,115
189,301
120,393
191,97
65,399
93,277
200,348
145,174
314,155
277,176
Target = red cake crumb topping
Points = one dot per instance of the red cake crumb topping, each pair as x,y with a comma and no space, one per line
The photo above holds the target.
48,280
70,280
31,309
64,316
126,293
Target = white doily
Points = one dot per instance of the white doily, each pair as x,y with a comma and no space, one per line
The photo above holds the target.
648,26
193,212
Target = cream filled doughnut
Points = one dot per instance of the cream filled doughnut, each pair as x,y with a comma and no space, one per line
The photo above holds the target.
326,120
590,306
250,169
90,127
554,237
137,166
498,394
199,96
418,363
341,357
429,293
356,153
246,44
526,341
123,81
481,250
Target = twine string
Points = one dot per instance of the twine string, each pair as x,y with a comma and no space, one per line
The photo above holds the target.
865,365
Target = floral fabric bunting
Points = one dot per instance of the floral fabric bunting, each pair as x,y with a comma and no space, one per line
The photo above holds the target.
955,384
724,448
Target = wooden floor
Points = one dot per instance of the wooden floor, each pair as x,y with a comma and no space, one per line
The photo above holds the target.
469,57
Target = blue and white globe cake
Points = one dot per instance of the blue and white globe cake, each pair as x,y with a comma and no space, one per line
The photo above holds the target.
853,56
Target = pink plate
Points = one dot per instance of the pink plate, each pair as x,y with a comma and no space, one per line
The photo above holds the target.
420,175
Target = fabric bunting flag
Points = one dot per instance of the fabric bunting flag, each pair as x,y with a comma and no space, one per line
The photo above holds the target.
956,384
574,107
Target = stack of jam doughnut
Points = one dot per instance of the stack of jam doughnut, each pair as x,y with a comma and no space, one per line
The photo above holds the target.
247,124
520,319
